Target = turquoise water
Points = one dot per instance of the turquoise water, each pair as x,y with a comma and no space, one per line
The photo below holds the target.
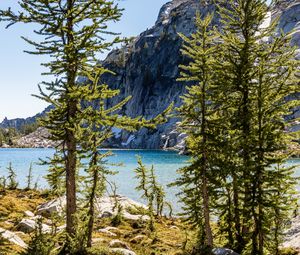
165,163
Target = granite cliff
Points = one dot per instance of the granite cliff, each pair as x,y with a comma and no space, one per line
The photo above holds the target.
147,68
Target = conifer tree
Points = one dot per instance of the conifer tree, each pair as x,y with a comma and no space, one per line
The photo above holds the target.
11,178
257,75
198,120
29,177
151,190
71,34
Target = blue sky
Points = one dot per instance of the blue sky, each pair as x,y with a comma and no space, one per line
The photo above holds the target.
20,73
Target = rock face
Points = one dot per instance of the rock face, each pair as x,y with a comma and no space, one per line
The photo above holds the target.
36,139
147,69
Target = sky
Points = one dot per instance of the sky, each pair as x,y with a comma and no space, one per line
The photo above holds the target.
20,73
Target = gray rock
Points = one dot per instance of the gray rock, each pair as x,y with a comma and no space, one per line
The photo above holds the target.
122,251
29,214
106,232
105,207
138,239
292,234
29,225
224,251
13,238
118,244
55,206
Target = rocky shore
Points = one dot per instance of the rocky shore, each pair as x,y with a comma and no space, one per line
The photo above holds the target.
22,210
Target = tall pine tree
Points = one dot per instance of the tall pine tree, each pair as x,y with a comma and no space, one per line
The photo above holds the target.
199,118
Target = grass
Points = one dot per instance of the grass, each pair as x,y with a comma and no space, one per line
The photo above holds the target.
167,239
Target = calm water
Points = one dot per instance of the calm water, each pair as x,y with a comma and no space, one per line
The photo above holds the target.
165,163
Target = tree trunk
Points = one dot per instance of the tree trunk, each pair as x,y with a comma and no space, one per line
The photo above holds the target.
91,211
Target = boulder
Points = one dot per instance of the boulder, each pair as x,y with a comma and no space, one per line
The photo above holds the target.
292,235
13,238
138,239
113,229
118,244
135,217
55,206
29,214
122,251
224,251
106,205
106,232
29,225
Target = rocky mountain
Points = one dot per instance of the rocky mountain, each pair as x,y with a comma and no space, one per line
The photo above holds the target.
19,122
147,69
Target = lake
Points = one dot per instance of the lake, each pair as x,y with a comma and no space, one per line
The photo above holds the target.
166,164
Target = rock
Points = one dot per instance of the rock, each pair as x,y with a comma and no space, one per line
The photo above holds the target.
122,251
113,229
133,217
104,206
29,214
292,235
224,251
55,206
98,240
29,225
61,228
106,232
138,239
37,139
13,238
118,244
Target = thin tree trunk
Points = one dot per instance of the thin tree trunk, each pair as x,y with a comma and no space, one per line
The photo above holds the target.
71,165
205,194
91,211
71,161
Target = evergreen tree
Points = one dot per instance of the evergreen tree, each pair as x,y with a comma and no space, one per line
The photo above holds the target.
29,177
199,119
151,190
11,178
71,34
257,75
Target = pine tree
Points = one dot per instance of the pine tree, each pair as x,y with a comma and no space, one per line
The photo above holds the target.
199,120
11,178
151,190
70,33
97,128
29,177
257,75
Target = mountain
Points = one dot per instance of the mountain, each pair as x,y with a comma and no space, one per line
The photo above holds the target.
147,68
19,122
